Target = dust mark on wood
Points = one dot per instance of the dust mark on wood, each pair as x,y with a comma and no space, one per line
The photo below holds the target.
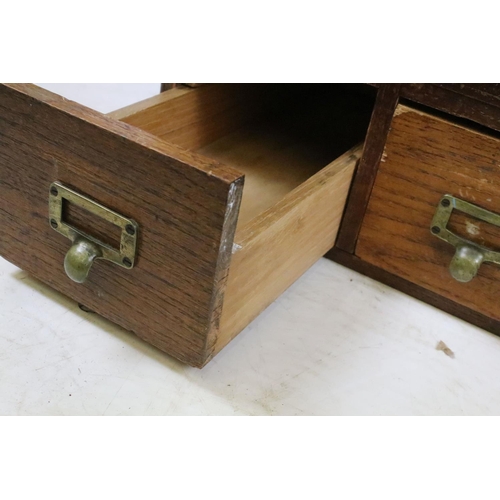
441,346
472,228
402,109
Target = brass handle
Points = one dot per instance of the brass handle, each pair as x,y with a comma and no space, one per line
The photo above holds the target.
466,262
85,249
80,258
468,255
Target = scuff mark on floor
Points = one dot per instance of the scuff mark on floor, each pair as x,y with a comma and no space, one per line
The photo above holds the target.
441,346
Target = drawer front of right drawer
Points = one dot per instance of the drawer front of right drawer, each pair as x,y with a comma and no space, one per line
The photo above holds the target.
434,212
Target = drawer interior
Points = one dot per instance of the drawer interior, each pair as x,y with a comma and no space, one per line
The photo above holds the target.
297,145
278,136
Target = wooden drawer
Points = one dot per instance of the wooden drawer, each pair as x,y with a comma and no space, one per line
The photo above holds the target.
425,158
236,190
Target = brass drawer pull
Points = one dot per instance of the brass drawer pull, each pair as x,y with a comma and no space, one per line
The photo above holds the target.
86,249
468,255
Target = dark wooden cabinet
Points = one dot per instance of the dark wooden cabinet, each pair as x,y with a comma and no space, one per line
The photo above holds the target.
426,141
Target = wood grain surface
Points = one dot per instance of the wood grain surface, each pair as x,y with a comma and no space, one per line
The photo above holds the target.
195,117
277,135
385,103
464,104
484,92
475,102
278,246
186,207
184,295
426,157
281,138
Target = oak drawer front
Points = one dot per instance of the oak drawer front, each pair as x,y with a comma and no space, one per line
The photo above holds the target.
184,207
230,193
426,158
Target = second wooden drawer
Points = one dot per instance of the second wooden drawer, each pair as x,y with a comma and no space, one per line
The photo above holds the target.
427,157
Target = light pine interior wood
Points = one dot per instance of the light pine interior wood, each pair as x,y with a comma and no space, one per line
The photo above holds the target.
277,135
283,242
274,163
194,117
291,143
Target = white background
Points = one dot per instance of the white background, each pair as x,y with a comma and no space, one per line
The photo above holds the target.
336,343
361,348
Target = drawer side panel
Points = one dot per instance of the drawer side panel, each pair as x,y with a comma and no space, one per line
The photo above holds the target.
274,250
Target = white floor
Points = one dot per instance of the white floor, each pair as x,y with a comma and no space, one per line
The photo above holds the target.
336,343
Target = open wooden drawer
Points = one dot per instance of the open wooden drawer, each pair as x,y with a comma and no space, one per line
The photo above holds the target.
233,192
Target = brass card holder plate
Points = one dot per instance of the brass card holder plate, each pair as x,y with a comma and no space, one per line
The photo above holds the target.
468,255
85,248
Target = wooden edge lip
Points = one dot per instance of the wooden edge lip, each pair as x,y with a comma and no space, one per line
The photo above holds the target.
364,178
406,108
167,86
416,291
127,112
107,124
452,102
274,212
222,269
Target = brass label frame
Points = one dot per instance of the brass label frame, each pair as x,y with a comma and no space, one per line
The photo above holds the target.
469,256
447,204
125,256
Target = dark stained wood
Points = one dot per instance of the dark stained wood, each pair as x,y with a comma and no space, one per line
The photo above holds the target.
426,157
167,86
420,293
475,102
450,101
472,229
387,98
478,103
91,224
485,92
186,207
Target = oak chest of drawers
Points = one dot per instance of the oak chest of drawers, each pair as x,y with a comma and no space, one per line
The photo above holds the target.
182,217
